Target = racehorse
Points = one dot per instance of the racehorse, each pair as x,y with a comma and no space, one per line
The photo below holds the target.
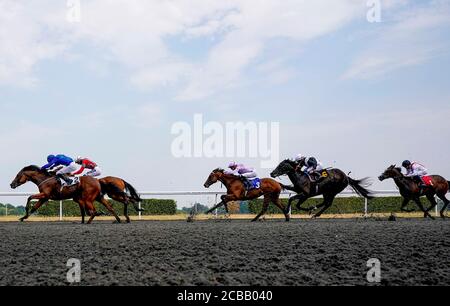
121,191
236,191
84,193
334,182
410,190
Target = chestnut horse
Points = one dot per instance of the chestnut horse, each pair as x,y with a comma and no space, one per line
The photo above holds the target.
236,191
410,190
121,191
84,193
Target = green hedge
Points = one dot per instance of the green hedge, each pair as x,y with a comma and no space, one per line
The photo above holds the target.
12,210
71,209
341,205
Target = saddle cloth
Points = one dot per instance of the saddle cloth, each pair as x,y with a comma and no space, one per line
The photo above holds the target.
75,181
254,184
427,180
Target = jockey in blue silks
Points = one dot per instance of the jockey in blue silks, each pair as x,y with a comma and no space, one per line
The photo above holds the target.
67,163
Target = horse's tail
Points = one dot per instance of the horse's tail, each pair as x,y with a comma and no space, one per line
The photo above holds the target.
133,193
286,187
360,187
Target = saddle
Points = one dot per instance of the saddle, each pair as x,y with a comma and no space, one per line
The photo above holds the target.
75,181
317,178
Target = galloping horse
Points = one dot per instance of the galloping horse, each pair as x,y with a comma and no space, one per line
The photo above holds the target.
121,191
236,191
84,193
335,182
410,190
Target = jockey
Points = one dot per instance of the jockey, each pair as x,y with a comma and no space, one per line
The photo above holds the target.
416,171
67,164
94,169
311,163
246,173
300,159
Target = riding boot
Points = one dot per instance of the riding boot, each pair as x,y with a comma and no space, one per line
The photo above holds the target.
65,178
420,182
246,183
312,177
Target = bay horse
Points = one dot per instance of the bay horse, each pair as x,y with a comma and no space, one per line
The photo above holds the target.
121,191
334,183
84,193
236,191
410,190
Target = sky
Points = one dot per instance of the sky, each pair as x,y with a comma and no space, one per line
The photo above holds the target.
108,79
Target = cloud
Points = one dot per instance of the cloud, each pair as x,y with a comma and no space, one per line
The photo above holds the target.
136,36
414,37
26,38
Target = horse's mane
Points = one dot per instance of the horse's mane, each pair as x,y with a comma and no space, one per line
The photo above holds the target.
218,170
394,167
289,161
36,169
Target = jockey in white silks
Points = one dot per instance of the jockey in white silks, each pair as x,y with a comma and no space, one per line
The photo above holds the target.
240,170
416,171
311,163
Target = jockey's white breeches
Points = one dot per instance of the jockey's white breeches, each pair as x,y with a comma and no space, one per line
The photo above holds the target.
94,172
72,168
250,175
318,168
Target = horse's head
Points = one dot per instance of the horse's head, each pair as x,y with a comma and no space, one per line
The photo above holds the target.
285,167
25,175
391,172
215,175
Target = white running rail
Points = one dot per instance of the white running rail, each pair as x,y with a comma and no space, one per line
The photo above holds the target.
345,194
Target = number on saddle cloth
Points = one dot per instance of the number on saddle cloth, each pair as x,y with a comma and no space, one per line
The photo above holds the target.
75,181
252,184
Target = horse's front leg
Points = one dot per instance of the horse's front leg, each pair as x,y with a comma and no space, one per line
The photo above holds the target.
404,204
214,207
225,199
425,212
41,197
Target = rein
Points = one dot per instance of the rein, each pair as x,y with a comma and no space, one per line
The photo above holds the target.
45,181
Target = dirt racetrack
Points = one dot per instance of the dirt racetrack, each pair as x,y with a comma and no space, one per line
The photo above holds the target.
302,252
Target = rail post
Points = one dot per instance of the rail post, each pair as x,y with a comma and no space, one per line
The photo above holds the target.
60,210
366,202
215,201
436,209
140,212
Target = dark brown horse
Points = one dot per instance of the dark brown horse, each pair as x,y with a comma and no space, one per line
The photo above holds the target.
236,191
84,193
334,183
121,191
410,190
